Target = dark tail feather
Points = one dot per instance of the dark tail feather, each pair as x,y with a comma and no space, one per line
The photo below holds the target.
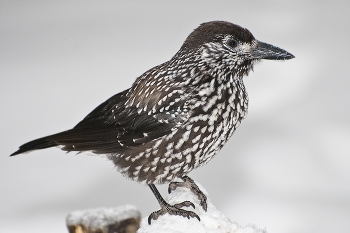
40,143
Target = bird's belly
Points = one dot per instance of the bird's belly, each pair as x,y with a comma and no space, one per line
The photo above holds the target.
192,145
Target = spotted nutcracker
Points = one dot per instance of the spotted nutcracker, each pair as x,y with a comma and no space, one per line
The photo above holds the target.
176,116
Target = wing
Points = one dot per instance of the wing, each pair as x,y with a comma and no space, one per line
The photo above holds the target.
136,116
114,127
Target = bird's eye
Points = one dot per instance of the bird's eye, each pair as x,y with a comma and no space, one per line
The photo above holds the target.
232,43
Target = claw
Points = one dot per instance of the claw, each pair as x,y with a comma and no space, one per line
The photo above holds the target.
169,189
155,215
192,205
196,216
173,186
149,219
185,203
204,205
193,215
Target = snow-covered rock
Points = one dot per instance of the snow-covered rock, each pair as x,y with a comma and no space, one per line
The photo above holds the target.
104,220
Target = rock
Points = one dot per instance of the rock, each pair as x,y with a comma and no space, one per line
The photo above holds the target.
123,219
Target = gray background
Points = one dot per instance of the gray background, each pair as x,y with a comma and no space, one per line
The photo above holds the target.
287,168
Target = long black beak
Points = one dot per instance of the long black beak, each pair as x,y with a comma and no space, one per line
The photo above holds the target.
270,52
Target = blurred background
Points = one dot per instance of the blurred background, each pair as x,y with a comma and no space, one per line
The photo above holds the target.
286,169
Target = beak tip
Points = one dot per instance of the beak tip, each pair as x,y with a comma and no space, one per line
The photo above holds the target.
291,56
282,57
270,52
288,56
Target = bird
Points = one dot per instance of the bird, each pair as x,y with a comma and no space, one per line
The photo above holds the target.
176,116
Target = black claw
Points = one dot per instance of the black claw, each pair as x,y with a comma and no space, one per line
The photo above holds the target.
185,203
154,216
191,204
193,215
149,219
204,206
169,189
172,186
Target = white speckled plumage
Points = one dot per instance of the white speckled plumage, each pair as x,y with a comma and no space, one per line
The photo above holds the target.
207,101
177,115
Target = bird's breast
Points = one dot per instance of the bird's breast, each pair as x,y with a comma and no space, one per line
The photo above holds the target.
219,116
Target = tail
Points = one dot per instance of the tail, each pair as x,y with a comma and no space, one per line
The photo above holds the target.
40,143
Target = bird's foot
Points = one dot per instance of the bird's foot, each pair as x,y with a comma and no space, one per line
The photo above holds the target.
189,183
174,210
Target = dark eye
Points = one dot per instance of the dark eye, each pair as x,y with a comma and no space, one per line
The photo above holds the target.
232,43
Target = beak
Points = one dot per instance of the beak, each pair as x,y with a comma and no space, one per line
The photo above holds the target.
270,52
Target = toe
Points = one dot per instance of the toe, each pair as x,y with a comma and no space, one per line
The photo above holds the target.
184,204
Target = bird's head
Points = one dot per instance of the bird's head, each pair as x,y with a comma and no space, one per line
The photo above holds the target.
223,45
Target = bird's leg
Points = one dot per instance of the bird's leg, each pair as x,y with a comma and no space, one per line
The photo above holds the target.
189,183
170,209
